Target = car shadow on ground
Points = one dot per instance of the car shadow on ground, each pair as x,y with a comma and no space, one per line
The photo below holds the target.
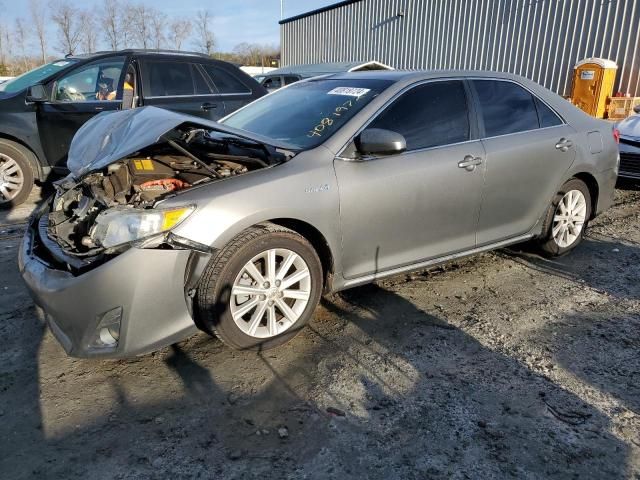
582,344
374,388
604,264
628,184
12,214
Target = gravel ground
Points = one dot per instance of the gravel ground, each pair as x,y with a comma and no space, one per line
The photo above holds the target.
503,365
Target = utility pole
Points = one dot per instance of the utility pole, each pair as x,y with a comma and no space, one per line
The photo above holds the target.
281,9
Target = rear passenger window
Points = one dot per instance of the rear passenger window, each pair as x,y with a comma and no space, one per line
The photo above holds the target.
546,116
506,107
429,115
200,84
166,78
225,82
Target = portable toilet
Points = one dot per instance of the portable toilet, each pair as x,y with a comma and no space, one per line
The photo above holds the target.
593,80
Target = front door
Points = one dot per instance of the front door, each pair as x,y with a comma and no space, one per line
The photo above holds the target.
529,149
75,98
402,209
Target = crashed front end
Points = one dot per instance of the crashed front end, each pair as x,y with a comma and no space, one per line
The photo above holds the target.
100,258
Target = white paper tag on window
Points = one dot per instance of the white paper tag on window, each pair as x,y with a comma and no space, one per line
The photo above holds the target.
62,63
349,91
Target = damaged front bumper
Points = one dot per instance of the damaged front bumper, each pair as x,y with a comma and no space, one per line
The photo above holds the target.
140,294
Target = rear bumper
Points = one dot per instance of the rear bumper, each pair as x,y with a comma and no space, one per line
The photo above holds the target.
606,190
148,285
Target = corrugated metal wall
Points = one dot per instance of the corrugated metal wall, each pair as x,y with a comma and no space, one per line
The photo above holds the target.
539,39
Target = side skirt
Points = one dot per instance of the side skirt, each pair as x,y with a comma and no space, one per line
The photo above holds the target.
355,282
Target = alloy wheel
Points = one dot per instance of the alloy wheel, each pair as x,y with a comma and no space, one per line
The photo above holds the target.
569,218
11,178
270,293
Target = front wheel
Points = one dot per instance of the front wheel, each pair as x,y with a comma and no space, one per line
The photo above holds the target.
261,289
566,219
16,174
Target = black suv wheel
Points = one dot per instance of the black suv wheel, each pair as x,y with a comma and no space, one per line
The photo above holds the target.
16,174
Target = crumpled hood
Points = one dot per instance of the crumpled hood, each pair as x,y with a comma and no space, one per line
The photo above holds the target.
111,136
630,127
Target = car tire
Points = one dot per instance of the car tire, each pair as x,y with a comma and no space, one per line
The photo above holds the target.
16,174
251,305
566,219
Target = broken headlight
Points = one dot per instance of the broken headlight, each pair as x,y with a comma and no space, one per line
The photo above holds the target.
118,226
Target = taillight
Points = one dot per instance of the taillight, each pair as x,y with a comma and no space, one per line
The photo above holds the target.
616,135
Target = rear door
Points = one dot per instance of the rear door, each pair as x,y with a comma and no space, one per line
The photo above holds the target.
401,209
231,85
180,85
529,148
76,97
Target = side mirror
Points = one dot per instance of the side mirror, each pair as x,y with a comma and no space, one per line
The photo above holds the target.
637,108
378,141
37,93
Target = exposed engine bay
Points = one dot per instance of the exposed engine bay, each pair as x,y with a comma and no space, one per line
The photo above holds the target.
182,159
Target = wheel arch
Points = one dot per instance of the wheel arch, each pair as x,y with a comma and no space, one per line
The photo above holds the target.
317,240
36,165
594,189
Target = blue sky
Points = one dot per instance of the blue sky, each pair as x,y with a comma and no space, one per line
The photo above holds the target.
234,21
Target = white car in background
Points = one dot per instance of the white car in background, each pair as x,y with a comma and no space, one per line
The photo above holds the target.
629,130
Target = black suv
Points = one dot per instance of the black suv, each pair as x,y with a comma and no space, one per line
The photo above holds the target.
41,111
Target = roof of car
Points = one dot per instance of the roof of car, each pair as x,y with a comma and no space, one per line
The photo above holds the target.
398,75
314,69
139,51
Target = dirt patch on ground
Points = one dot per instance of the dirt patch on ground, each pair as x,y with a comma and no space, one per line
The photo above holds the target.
503,365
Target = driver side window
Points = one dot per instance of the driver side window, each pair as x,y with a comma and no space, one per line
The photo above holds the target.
97,81
429,115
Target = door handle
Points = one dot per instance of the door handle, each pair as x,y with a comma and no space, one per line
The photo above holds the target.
564,144
470,163
208,106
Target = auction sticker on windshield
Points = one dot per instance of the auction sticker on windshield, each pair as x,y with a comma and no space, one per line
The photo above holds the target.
349,91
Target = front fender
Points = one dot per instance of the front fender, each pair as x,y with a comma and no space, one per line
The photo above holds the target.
303,189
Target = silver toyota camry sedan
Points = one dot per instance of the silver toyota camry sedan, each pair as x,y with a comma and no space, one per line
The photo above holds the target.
169,223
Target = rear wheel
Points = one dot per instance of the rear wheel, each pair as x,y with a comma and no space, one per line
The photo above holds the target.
16,174
261,289
566,219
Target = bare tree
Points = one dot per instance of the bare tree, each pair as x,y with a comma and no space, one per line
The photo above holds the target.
3,47
88,32
255,53
205,40
20,35
158,22
69,27
38,14
128,34
111,23
179,31
141,24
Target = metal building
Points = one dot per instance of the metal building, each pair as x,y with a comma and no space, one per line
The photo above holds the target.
538,39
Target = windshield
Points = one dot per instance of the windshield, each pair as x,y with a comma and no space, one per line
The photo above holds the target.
307,113
36,75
